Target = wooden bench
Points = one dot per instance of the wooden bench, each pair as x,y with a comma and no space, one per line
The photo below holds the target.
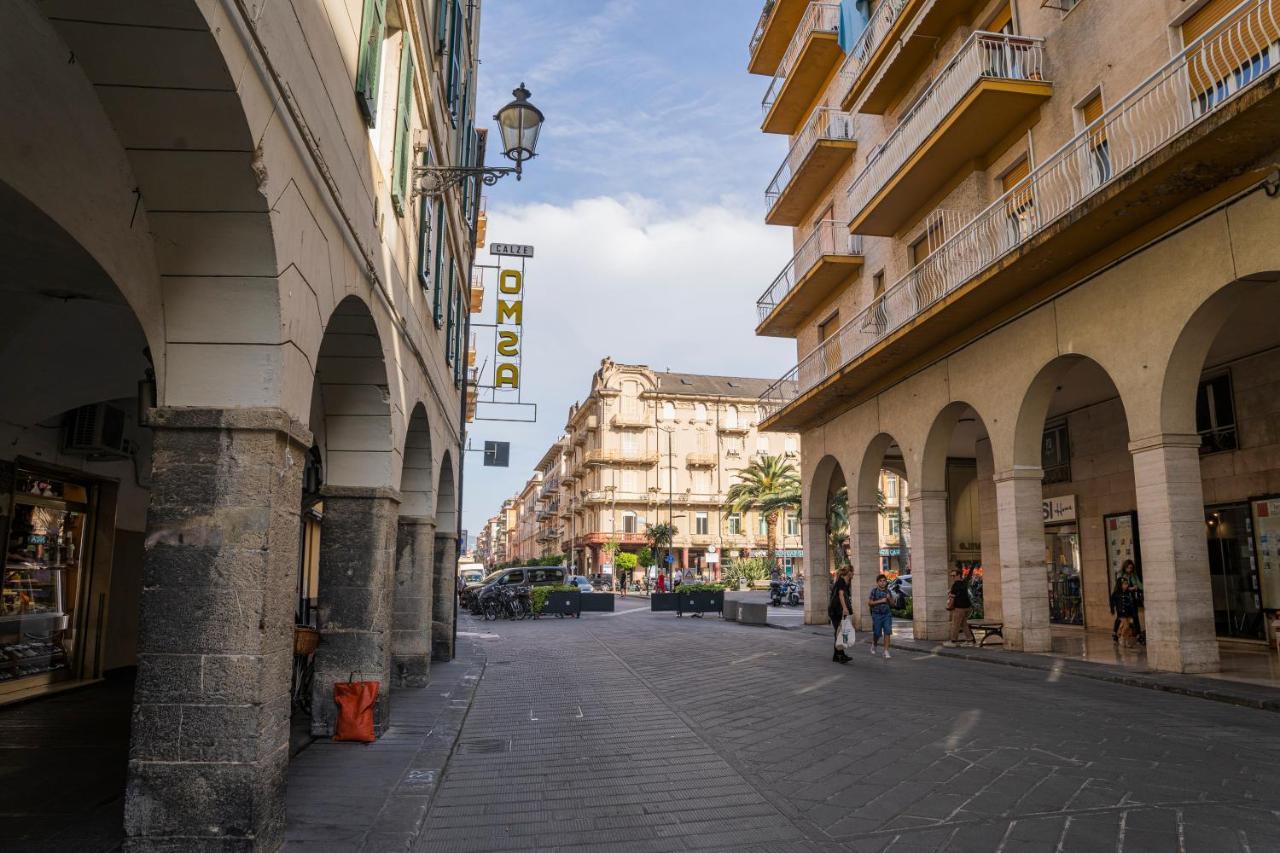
988,630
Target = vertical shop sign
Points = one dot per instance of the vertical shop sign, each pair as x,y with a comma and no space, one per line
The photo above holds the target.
510,325
1266,525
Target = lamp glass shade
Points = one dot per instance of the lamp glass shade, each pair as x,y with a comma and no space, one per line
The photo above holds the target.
519,123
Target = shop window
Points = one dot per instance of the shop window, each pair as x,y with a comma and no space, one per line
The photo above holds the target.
735,524
1055,454
700,525
373,31
1216,415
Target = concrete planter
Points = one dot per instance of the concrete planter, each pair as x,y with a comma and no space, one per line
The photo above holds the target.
664,602
730,611
563,604
597,602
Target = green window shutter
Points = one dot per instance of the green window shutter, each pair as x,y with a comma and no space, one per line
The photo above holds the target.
404,142
450,353
442,24
460,361
455,60
438,294
424,233
373,27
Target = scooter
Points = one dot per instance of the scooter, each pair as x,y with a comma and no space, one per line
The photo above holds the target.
784,591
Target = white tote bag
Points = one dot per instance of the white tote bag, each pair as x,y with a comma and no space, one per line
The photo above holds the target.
845,637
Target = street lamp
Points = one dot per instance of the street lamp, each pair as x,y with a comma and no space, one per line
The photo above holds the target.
519,125
671,486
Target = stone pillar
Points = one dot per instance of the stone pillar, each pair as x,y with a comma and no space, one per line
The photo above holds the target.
210,732
989,531
357,574
864,549
443,594
1175,561
817,579
411,602
1024,579
930,563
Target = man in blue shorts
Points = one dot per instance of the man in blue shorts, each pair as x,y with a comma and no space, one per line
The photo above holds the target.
881,615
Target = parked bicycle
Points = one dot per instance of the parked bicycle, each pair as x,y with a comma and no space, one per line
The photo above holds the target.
507,602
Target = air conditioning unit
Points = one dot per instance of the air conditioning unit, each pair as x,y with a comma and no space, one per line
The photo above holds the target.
96,432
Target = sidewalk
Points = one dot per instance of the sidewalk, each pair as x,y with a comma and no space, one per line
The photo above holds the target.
1093,656
375,797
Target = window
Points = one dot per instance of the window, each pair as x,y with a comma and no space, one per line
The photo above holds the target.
891,488
733,446
1020,207
1215,415
455,60
442,16
828,327
514,577
789,443
894,518
450,345
668,410
1055,453
404,138
877,285
442,251
1099,148
928,243
459,330
373,30
700,412
628,522
424,233
701,481
1231,52
1002,22
700,526
731,417
762,525
762,445
629,481
793,524
735,524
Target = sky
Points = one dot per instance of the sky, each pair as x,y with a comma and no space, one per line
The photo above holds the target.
645,205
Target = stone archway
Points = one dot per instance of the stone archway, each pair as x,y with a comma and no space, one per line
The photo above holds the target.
444,577
883,457
358,536
823,543
415,559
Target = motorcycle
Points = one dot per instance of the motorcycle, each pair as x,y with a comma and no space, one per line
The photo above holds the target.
785,591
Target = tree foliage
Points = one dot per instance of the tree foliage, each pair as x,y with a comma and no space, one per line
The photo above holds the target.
771,486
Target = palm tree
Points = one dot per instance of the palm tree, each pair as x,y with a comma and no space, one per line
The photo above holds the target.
770,485
838,525
660,536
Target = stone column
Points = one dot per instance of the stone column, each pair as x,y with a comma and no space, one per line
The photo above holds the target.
210,732
1175,560
817,579
989,527
357,574
443,594
1024,579
864,548
411,602
930,561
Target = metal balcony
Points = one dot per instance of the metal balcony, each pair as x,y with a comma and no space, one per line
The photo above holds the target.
825,262
701,460
994,84
1194,133
810,57
896,46
773,33
817,155
601,456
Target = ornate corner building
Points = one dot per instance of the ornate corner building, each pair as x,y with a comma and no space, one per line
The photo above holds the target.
234,385
1035,275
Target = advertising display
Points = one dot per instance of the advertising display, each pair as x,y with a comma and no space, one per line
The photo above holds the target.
1122,544
1266,526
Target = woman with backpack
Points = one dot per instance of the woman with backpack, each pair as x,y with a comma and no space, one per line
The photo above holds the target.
838,610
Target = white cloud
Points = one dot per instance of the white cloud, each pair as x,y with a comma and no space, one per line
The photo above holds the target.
632,279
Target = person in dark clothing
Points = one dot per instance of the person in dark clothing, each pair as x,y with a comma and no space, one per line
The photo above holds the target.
838,609
1124,604
959,603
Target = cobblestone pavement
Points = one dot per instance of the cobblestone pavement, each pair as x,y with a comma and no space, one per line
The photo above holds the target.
639,731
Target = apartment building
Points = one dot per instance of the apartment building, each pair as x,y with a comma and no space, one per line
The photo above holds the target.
1035,272
233,385
648,447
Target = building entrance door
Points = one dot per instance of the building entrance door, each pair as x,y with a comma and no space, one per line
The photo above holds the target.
1062,559
1233,571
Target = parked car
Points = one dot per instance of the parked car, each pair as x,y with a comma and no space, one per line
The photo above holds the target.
602,582
526,576
582,582
902,584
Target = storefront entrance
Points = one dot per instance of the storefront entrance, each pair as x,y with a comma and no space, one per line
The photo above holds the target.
1062,559
1233,571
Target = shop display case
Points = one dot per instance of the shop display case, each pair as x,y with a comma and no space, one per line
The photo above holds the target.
41,580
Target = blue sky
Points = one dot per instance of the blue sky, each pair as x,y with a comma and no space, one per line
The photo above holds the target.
645,204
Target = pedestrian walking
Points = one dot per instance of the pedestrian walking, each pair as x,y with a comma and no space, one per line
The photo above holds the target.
1124,604
838,611
679,579
881,615
959,603
661,583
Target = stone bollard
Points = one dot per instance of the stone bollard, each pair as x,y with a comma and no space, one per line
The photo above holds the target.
753,614
731,609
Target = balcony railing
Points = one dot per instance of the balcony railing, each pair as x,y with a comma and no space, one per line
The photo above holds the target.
1208,73
828,238
819,17
983,56
883,17
827,123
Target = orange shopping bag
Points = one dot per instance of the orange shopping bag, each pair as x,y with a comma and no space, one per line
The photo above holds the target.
355,710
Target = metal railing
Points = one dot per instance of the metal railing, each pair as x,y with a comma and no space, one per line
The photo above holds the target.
829,237
826,123
1209,72
883,17
757,35
819,17
983,55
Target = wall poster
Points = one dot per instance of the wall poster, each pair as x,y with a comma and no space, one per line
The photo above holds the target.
1122,544
1266,529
